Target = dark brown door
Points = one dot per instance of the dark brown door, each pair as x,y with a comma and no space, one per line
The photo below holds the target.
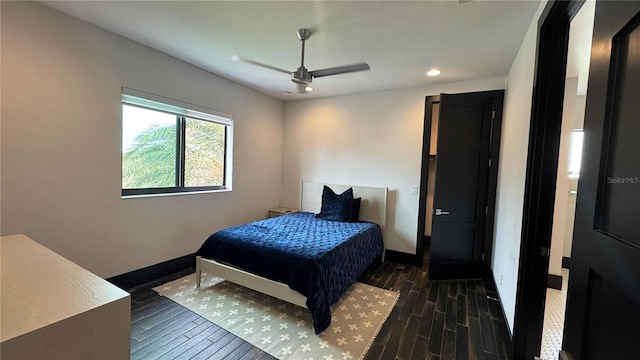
460,198
603,306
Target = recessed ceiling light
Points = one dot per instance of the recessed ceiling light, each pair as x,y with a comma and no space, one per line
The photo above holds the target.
308,88
434,72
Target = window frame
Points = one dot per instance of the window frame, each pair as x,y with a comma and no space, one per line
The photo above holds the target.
182,111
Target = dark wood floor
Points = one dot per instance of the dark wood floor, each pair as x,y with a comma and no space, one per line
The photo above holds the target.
432,320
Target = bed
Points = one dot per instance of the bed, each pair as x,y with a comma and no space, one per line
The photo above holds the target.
299,258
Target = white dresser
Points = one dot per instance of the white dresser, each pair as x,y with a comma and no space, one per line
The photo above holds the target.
52,308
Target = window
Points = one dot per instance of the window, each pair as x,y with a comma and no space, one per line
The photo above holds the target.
173,147
575,153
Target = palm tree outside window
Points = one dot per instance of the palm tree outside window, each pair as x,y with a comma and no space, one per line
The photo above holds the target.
173,149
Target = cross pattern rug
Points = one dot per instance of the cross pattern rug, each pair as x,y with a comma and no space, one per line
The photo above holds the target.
284,330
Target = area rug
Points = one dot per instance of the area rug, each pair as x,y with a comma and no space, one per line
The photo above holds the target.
284,330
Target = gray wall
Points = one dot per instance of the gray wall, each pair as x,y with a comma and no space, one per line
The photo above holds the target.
514,145
61,144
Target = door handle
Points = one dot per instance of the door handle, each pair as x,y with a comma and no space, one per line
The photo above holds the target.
440,212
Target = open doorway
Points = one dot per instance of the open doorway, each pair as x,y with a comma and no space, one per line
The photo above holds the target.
569,158
606,246
461,143
543,169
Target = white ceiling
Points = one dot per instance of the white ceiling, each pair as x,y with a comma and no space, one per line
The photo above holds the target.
400,40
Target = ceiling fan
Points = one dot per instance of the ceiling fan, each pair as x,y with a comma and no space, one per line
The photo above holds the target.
302,76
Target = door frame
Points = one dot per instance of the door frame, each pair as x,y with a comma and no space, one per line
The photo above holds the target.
541,175
424,174
492,181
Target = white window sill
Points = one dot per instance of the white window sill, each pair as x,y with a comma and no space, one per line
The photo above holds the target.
125,197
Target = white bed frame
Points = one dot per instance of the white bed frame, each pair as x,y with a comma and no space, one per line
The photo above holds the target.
373,207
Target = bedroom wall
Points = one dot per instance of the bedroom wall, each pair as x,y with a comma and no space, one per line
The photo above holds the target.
372,139
512,170
61,144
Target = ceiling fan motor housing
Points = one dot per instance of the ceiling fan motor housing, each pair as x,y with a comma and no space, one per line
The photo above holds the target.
301,76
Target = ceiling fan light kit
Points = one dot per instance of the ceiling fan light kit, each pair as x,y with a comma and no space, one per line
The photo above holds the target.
302,76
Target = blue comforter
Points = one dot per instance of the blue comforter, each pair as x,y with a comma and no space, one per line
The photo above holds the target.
318,258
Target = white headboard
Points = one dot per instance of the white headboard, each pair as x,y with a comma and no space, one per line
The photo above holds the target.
373,206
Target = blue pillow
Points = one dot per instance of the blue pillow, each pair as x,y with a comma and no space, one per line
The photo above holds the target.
355,211
336,207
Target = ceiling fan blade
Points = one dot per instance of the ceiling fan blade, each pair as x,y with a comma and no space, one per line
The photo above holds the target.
340,70
266,66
